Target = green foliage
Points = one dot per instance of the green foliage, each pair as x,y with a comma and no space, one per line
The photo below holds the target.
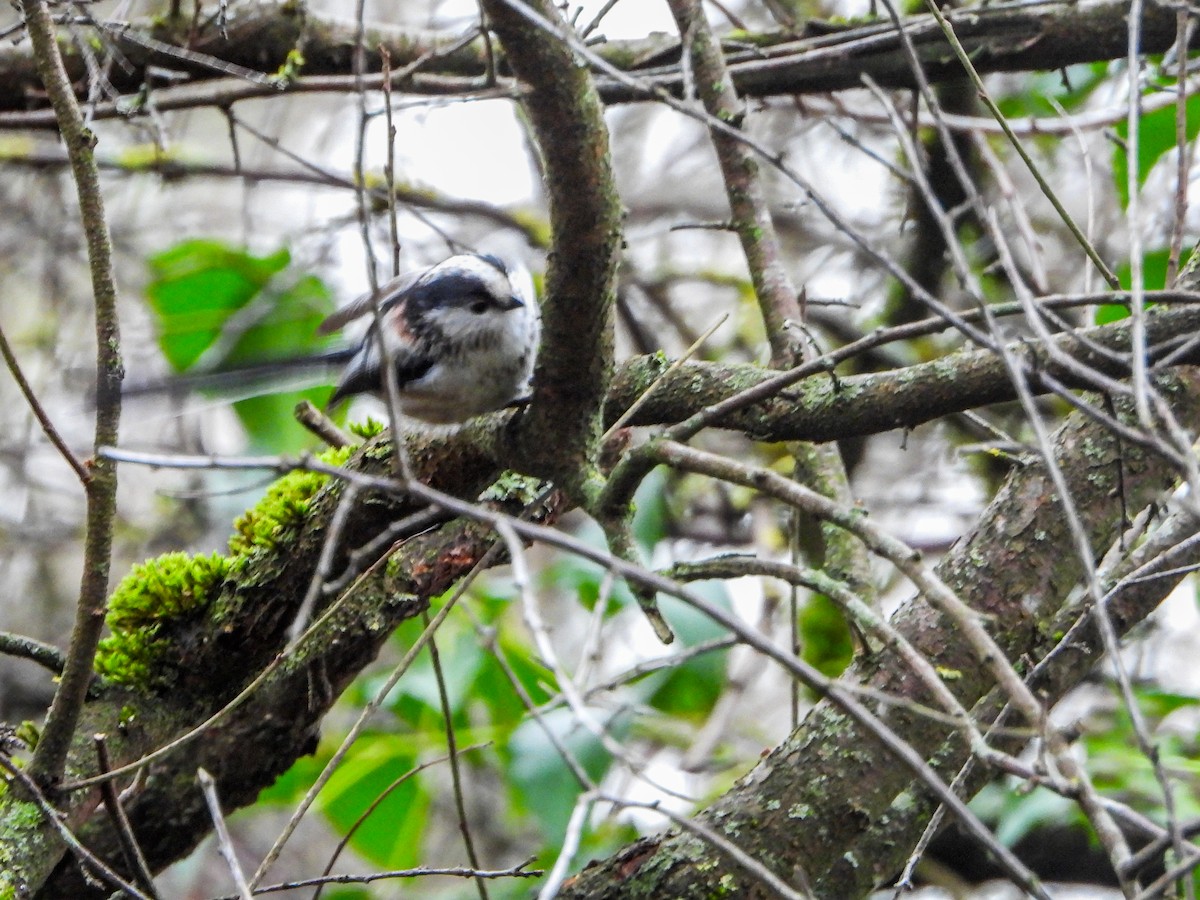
650,515
1120,769
1117,766
366,429
219,308
1068,87
196,286
691,689
1154,278
825,638
1018,813
1156,135
172,586
379,767
291,68
391,835
540,781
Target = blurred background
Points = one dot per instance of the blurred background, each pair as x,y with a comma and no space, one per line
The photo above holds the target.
237,231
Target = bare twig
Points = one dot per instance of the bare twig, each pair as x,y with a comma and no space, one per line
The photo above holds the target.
752,220
1018,145
371,807
1185,27
134,858
224,841
518,871
321,425
460,806
45,655
331,545
39,412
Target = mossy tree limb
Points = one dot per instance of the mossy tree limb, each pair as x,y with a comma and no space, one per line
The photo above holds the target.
559,432
824,408
823,800
206,656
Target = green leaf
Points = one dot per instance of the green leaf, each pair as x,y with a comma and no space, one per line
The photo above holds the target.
1156,135
492,688
270,421
825,637
1154,278
537,774
650,510
283,322
233,309
1070,87
1017,814
392,835
416,700
691,688
196,286
583,579
295,782
1154,270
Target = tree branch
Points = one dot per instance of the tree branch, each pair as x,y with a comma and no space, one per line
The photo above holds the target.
559,432
825,408
824,57
100,487
814,801
240,634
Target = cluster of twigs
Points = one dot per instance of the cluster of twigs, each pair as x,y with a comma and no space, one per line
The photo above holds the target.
1091,530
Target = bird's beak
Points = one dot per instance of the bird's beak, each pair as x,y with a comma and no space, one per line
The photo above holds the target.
512,302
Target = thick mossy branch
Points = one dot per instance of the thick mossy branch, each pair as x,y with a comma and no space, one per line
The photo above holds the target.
142,609
559,432
226,619
824,408
163,599
283,508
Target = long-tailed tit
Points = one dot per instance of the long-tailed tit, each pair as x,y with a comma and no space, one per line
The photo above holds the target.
463,336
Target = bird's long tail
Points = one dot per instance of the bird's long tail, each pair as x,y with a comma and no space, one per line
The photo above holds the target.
257,377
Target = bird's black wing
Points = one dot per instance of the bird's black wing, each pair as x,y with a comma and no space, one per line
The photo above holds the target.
363,374
389,294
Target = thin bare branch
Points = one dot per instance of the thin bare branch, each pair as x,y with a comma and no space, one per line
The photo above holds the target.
50,757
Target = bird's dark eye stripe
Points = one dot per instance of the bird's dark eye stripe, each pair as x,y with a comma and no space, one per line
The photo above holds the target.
451,290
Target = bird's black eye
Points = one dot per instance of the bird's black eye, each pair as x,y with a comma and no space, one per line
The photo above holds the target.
479,304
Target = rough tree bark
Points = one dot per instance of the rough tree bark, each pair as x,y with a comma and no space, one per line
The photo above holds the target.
829,801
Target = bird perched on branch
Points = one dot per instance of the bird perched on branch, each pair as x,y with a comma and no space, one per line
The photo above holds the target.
462,335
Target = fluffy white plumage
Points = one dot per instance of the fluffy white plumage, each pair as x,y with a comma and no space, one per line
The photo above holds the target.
462,334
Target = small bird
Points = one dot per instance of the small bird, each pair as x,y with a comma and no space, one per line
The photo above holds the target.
463,335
